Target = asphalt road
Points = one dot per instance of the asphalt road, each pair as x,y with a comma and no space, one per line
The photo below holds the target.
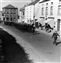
39,46
10,50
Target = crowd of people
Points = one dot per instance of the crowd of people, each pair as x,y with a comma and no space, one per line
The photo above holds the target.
47,27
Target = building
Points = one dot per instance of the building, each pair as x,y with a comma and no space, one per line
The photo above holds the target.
50,12
30,12
1,17
46,12
22,14
37,10
37,13
10,13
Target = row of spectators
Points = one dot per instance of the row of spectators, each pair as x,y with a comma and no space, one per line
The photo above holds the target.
30,28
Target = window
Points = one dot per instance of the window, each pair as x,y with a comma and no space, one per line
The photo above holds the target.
51,10
2,14
11,11
6,11
23,13
46,10
3,18
59,10
52,3
7,18
58,25
46,3
14,17
11,19
42,11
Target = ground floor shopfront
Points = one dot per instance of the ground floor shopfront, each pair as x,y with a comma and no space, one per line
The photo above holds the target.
54,22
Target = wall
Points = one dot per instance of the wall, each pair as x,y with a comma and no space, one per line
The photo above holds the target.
45,15
29,13
11,13
1,17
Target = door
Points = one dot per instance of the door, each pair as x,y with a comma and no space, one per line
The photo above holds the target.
7,19
11,19
58,25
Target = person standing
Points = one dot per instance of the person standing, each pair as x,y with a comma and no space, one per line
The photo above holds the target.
33,26
55,36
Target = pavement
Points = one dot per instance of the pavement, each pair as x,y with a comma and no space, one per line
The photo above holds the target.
40,46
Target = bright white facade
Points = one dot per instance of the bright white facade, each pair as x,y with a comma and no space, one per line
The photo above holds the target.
37,11
47,11
50,12
29,13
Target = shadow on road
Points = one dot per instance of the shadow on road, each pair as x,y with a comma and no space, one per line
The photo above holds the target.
12,52
57,43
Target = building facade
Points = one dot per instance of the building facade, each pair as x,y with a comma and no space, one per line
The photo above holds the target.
29,13
47,12
22,15
10,13
1,17
50,12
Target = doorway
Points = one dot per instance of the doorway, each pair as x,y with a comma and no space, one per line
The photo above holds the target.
58,25
7,19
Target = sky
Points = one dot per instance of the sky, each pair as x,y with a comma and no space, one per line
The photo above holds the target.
16,3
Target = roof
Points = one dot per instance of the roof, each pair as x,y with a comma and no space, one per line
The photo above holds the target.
23,8
44,1
10,7
34,2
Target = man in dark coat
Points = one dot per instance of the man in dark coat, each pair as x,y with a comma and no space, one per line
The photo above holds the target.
33,27
55,36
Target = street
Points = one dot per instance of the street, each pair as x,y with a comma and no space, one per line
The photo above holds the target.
10,50
39,46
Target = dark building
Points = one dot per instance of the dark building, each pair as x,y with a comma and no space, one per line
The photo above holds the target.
10,13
